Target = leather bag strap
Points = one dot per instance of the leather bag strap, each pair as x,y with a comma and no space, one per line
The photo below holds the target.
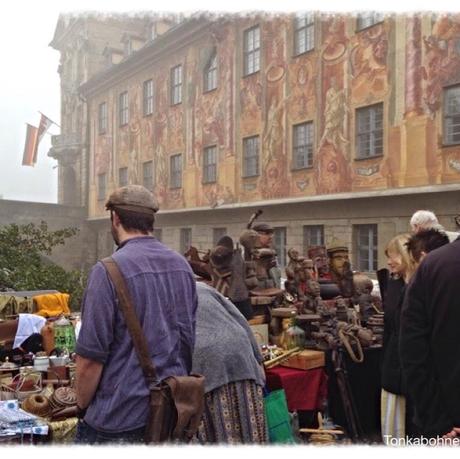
132,322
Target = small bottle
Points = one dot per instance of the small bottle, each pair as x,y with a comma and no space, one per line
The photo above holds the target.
64,335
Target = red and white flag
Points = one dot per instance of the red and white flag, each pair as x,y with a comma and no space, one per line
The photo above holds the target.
43,127
30,147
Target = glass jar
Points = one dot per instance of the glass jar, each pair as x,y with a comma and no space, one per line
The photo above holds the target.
295,337
64,335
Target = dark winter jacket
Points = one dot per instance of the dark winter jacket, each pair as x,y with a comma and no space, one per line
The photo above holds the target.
430,340
392,380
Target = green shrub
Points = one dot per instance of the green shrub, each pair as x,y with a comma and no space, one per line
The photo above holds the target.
23,266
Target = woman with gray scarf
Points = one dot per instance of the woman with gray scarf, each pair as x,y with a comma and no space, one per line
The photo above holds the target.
228,356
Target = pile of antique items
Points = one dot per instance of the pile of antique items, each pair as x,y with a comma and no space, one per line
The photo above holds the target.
37,369
324,305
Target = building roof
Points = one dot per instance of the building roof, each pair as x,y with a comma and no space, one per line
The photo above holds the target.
160,46
64,24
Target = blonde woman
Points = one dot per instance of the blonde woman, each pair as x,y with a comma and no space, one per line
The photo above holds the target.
393,400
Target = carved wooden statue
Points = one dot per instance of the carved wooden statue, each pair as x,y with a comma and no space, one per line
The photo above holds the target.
340,269
263,258
318,254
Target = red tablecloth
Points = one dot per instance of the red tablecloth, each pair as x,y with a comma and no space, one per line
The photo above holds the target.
305,389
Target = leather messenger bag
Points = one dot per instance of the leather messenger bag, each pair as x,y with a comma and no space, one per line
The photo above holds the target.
177,402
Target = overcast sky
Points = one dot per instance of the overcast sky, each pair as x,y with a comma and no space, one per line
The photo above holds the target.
29,82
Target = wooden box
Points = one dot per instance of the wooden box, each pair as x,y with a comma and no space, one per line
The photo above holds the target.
305,360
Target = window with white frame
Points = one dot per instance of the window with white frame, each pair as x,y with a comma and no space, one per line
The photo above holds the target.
251,50
147,97
101,186
175,171
185,239
366,247
210,73
102,118
312,235
302,145
369,131
210,164
279,240
123,176
176,85
251,156
123,109
304,33
217,233
452,115
368,19
147,175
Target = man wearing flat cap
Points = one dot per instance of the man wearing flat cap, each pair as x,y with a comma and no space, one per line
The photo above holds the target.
112,393
340,268
265,232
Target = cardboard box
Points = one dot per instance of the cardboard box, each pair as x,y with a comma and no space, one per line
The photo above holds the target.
305,360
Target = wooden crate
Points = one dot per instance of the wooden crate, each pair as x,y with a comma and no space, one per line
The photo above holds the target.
306,360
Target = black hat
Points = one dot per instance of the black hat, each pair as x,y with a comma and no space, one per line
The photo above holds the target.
221,256
263,228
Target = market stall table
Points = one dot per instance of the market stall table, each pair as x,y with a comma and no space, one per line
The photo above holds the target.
306,390
365,384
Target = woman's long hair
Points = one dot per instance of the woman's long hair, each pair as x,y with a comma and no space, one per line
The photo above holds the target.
398,245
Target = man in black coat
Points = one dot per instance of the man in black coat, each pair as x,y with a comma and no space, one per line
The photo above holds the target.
430,342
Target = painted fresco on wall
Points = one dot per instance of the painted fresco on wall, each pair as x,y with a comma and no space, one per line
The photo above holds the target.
213,117
368,63
345,71
250,105
302,77
166,144
104,151
368,76
274,182
214,110
331,168
147,138
134,137
441,69
413,62
442,61
189,98
225,37
215,195
210,122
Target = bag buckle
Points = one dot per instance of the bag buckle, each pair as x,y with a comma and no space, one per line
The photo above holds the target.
155,385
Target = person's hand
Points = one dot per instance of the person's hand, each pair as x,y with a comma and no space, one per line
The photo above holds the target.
455,432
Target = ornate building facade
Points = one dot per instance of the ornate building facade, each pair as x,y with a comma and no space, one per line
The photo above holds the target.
337,126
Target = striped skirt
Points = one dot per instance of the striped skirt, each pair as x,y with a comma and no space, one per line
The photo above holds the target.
393,416
234,413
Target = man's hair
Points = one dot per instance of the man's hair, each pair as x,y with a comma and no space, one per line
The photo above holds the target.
425,241
135,220
425,219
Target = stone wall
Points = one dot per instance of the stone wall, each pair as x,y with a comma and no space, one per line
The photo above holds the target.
78,252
